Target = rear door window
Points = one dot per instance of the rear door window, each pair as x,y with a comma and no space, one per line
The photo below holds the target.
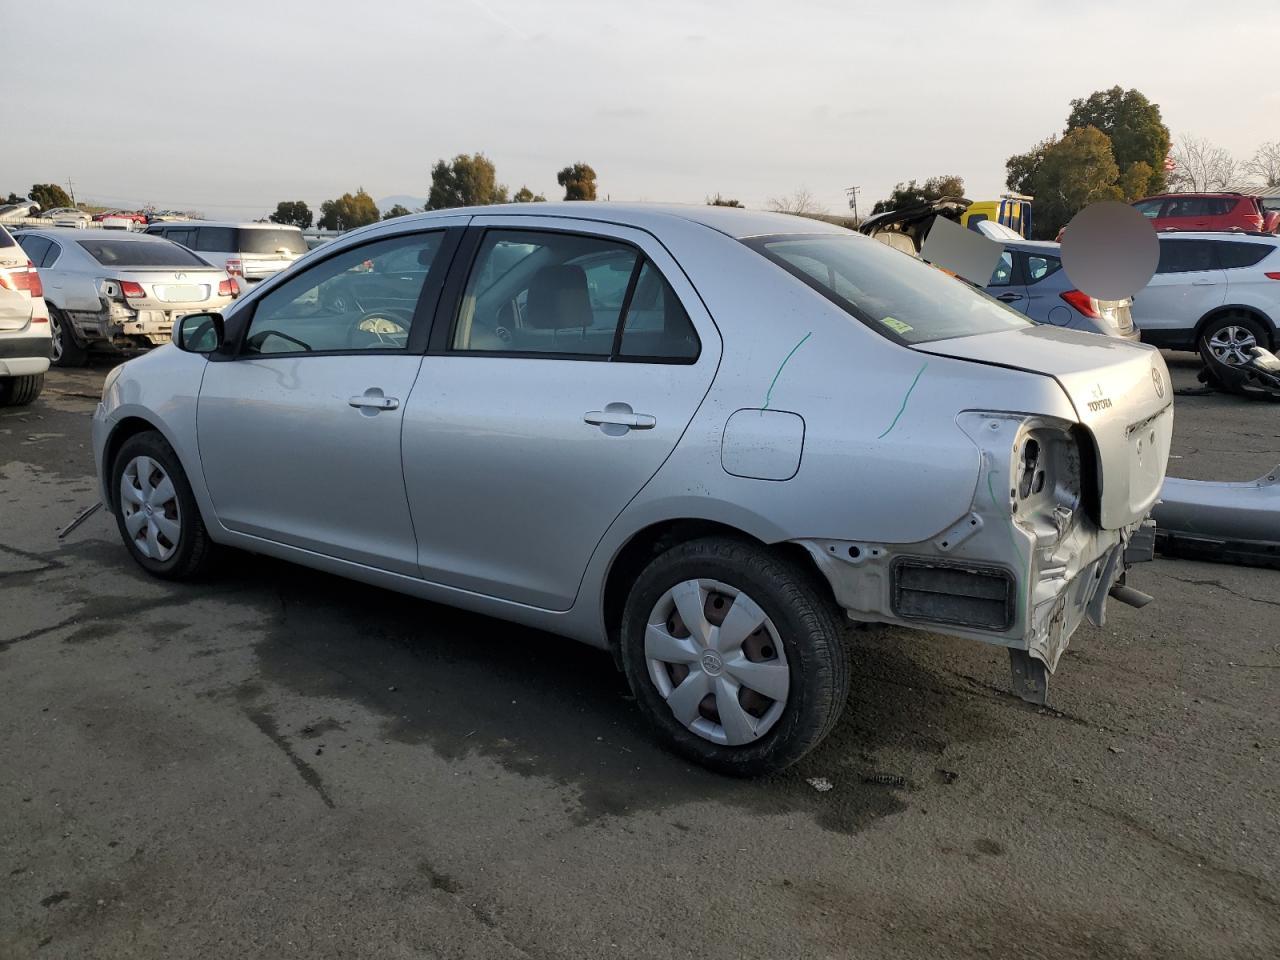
1187,207
220,239
183,235
1002,275
1235,254
1185,256
1040,266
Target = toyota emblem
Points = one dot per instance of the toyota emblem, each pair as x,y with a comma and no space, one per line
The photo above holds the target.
1158,381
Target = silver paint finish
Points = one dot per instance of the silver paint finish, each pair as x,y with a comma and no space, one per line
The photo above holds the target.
511,503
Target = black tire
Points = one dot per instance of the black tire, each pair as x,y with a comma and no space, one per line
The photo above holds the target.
1241,321
20,391
67,352
194,550
806,622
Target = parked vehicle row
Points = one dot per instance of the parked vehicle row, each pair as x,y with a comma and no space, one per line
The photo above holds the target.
719,389
1209,211
116,289
25,344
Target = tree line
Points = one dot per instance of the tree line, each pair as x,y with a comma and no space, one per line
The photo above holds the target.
468,180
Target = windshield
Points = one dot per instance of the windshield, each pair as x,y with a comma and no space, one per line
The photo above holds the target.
141,253
272,241
891,292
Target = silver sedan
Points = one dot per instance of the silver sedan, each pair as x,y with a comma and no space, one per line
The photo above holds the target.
698,437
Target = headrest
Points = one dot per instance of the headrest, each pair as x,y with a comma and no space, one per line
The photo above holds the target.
558,299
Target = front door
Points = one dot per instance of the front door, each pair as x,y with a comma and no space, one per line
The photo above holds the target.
564,375
299,433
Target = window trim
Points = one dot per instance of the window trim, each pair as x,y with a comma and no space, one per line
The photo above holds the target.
468,256
424,312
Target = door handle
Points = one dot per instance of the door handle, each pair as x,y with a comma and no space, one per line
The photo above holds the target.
1203,283
633,421
373,401
1009,297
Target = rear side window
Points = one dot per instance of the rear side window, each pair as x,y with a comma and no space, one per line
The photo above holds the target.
269,241
1187,207
1149,208
183,235
221,239
1039,267
36,248
568,295
1234,254
1220,206
5,239
140,253
1185,256
1002,275
898,297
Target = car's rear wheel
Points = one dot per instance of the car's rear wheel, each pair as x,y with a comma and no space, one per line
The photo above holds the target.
156,511
1227,340
66,352
20,391
735,655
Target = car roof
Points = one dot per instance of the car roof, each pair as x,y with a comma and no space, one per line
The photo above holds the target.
1216,235
736,222
252,225
1195,193
1034,246
71,233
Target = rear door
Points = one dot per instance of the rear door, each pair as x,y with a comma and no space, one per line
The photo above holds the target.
1006,281
539,413
299,430
1043,298
1187,284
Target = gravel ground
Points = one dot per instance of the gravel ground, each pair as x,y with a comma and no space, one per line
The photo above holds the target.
276,763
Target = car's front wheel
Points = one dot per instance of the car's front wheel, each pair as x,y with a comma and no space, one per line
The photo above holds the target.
156,511
735,655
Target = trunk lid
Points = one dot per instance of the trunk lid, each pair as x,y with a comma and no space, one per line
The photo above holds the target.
167,288
1121,394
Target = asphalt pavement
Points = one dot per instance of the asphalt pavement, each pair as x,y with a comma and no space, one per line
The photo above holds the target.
277,763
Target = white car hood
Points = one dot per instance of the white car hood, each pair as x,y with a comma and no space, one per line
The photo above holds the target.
1121,394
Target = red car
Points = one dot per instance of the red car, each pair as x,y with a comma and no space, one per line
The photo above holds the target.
1209,211
122,215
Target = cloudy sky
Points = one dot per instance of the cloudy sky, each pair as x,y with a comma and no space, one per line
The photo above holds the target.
230,107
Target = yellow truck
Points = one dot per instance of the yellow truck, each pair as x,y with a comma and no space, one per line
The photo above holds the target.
1013,210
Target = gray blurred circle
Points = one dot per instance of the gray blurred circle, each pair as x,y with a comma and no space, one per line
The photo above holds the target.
1110,250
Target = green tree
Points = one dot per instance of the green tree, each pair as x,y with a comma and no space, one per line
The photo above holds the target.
399,210
525,195
49,196
719,201
1065,175
579,182
348,211
1135,182
1135,127
466,181
14,198
292,212
911,193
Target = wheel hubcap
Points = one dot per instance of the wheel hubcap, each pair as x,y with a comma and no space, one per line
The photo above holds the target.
718,662
1233,345
55,328
149,505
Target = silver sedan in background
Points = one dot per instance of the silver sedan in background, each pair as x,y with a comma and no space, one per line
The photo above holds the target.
698,437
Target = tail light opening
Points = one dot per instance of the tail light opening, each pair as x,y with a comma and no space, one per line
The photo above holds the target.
131,290
235,267
1082,302
226,288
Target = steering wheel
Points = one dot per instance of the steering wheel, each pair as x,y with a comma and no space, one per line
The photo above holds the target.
385,327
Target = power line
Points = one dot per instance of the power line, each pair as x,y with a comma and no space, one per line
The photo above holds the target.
853,199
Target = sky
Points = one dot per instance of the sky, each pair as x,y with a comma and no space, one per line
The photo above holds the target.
230,107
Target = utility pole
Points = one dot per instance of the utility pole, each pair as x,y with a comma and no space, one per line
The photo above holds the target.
853,199
72,190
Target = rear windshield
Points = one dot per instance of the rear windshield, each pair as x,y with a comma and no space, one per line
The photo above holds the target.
891,292
140,253
272,241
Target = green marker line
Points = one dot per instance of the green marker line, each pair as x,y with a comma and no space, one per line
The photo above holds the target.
904,401
769,393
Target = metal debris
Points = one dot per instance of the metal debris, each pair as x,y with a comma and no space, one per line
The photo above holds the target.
1227,522
81,517
821,784
885,779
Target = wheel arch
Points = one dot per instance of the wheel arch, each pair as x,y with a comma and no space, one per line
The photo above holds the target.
130,425
1228,308
650,541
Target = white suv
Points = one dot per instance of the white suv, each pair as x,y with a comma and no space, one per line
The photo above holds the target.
25,343
1218,293
248,251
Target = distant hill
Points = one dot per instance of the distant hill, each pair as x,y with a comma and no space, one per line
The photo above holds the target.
413,203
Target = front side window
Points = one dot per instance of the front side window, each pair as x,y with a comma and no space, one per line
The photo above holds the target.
568,295
898,297
1185,256
1002,275
363,298
142,252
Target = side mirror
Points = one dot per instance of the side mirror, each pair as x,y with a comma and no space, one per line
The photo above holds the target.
199,332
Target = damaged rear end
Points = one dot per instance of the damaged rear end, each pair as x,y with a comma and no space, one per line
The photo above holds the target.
1059,509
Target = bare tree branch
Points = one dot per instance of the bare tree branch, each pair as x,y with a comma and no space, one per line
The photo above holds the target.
1202,167
801,202
1265,165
